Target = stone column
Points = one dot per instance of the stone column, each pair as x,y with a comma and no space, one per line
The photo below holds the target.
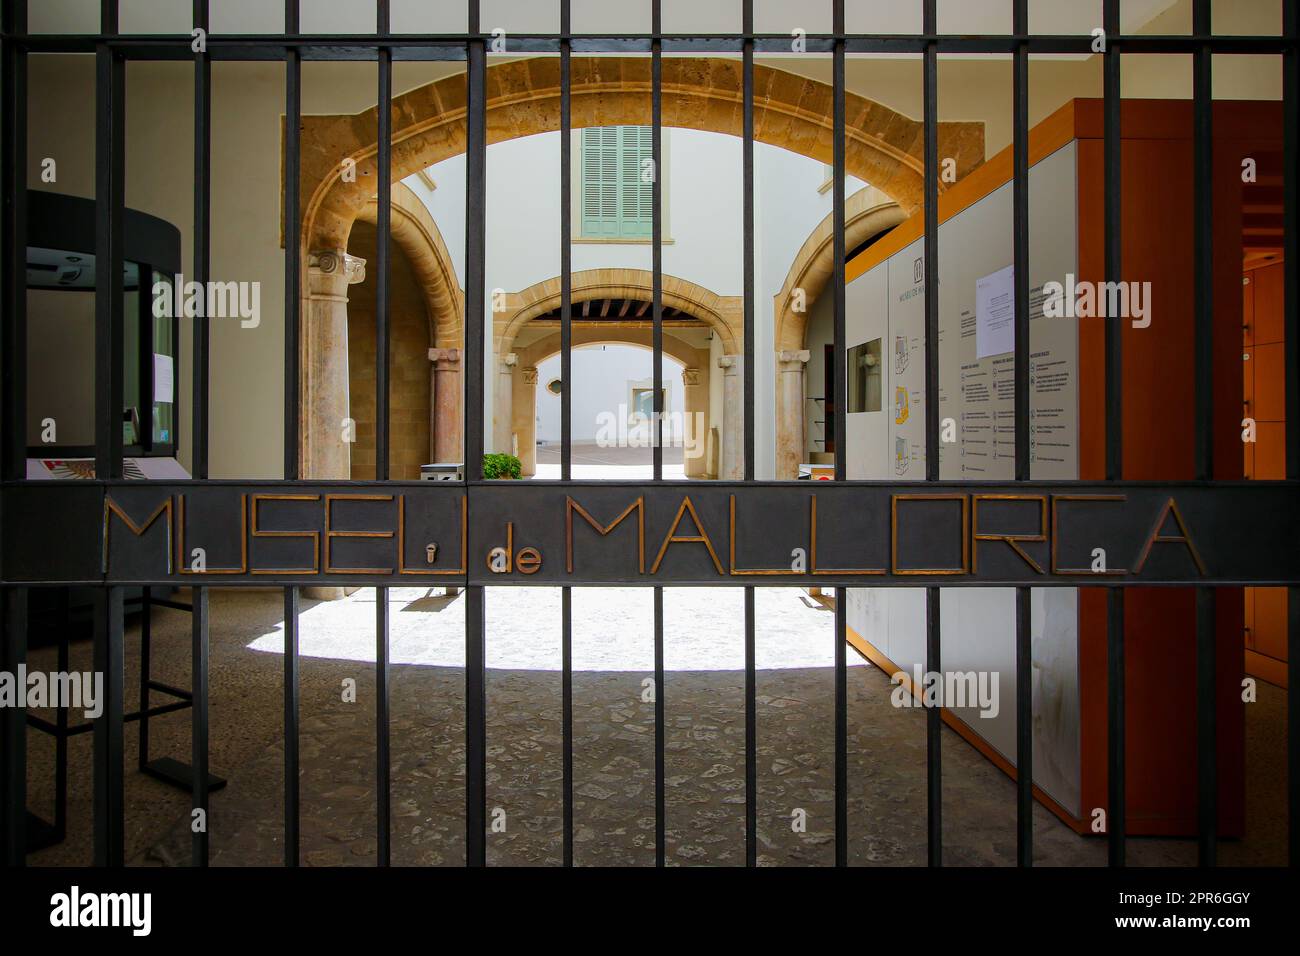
732,466
789,412
503,407
525,419
446,405
695,426
324,410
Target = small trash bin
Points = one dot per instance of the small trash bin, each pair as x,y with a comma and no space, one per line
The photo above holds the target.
443,471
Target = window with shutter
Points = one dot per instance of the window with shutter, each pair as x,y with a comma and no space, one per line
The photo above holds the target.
616,182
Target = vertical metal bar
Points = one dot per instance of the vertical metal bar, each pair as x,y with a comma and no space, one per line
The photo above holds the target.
930,95
751,736
110,825
751,676
1203,238
383,756
202,265
657,341
1114,264
1020,241
933,723
1203,233
475,730
13,388
657,231
1207,803
13,398
748,201
566,716
292,306
13,756
1293,725
933,737
199,724
291,733
383,239
293,240
1024,732
146,641
660,819
475,242
1117,816
566,245
566,404
383,242
109,193
1291,340
202,244
1020,237
475,253
61,742
1116,799
841,449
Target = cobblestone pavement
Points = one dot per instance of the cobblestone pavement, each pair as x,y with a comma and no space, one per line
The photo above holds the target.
614,763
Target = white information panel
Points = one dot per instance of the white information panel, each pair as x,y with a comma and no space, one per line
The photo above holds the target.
977,397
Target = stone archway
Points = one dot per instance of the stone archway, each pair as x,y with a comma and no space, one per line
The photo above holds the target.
695,382
867,213
513,420
326,379
793,112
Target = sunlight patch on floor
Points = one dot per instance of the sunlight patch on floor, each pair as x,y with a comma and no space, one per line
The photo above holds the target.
612,629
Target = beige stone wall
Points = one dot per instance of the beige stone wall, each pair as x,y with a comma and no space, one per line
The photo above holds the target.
409,368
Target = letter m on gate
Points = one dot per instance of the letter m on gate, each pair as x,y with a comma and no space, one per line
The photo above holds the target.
570,506
112,508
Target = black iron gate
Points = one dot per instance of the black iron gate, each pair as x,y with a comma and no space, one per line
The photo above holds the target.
115,533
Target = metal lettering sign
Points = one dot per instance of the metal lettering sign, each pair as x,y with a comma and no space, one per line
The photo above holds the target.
823,533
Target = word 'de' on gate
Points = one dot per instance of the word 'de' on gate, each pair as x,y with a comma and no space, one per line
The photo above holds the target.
109,533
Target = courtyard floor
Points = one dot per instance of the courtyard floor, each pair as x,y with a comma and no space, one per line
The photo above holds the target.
613,741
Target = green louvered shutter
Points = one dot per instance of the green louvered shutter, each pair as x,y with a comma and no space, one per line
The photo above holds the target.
600,174
615,202
636,195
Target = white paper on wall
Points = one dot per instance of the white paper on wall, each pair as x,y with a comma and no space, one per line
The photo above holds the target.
995,310
162,378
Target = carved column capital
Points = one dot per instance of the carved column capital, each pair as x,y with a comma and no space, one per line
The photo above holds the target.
445,359
336,262
692,376
530,375
509,361
330,272
731,363
790,355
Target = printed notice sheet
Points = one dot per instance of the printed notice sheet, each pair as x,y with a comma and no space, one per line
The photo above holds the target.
995,309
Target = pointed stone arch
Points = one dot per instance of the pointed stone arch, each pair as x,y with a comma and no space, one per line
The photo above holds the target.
513,405
866,214
883,147
723,314
415,232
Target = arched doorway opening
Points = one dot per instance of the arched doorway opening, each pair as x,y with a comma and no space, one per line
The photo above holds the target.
613,414
612,307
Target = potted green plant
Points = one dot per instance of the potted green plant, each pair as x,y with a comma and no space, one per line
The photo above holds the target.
501,466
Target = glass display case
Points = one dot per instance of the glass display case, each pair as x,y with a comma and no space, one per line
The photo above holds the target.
61,274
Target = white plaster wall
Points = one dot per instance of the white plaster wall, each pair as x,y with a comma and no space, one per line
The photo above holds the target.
602,376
